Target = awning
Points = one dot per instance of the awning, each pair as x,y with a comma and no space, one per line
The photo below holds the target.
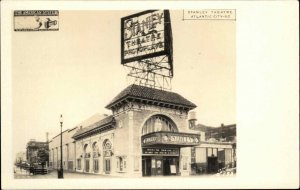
171,138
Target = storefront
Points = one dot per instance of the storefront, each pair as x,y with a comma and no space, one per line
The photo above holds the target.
161,152
210,157
160,161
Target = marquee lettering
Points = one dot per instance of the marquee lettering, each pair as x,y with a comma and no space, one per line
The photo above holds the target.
172,138
134,26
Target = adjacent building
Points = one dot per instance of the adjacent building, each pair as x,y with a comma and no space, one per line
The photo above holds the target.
225,133
21,157
217,149
37,152
69,145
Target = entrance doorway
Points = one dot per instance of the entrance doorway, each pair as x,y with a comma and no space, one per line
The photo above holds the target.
170,165
146,166
160,165
212,164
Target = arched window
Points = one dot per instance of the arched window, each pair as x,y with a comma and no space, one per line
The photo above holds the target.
96,157
159,123
85,150
107,145
87,156
107,153
95,150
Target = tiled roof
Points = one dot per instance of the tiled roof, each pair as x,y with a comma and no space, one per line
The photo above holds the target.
95,126
143,92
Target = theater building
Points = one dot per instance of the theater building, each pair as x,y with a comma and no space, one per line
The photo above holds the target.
146,135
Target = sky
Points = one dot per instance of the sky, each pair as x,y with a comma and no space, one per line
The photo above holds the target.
77,71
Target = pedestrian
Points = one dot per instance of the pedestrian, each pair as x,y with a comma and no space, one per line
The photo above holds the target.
32,170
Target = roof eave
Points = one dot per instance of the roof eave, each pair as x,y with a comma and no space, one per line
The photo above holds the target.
79,136
109,106
109,123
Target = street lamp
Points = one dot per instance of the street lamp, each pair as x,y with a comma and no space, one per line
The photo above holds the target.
61,170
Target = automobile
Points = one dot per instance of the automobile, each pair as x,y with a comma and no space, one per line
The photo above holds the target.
226,171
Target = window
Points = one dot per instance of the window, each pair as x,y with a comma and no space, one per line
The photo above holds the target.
201,155
121,164
209,152
87,156
96,155
107,166
228,156
87,165
215,152
107,153
159,123
96,165
212,152
95,150
79,164
70,165
67,146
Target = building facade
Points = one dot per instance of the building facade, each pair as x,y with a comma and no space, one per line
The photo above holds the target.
68,144
148,134
68,150
35,150
217,149
21,157
210,157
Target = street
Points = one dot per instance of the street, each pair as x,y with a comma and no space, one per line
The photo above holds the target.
23,174
52,174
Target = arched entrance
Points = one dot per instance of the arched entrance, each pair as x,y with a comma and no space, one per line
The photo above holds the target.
158,159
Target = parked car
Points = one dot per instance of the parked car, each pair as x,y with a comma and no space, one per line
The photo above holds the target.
226,171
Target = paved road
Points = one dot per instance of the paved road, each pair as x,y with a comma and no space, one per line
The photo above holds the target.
22,174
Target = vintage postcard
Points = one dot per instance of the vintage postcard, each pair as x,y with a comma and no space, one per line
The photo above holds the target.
136,96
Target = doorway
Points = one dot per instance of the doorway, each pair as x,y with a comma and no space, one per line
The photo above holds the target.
146,166
160,165
212,164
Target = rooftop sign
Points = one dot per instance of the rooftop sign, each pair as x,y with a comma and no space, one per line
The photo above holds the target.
145,35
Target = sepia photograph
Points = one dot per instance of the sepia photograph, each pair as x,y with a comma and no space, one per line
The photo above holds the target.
113,93
131,95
